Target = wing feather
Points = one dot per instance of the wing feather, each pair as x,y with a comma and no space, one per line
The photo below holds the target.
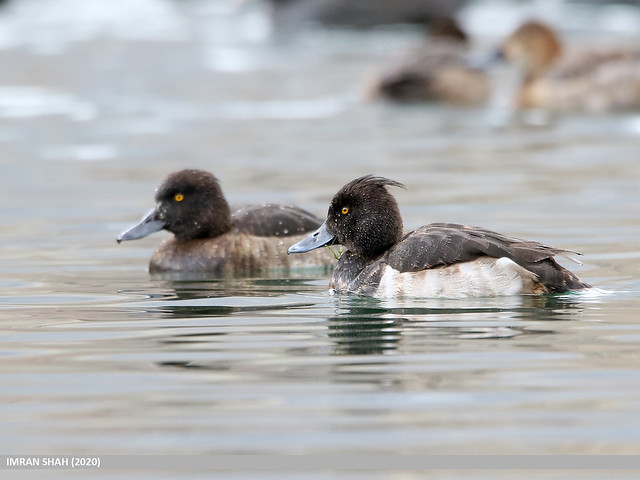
442,244
274,220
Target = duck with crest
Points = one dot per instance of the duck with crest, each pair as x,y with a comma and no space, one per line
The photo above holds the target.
435,260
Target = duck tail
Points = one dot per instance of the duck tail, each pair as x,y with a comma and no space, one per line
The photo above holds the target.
556,278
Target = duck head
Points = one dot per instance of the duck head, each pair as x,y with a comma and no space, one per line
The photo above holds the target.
533,47
190,204
363,217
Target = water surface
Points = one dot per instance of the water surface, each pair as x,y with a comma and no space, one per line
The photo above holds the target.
98,357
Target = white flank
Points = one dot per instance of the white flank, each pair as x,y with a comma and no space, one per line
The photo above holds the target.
484,277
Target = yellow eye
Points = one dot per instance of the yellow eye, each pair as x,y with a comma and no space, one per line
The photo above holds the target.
345,210
178,197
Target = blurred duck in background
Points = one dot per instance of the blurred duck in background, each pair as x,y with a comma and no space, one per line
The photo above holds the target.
361,13
439,70
577,80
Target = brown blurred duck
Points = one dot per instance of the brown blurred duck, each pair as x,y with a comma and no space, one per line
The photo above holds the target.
361,13
586,79
437,71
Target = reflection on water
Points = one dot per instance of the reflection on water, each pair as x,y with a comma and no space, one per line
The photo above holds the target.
371,328
283,359
97,356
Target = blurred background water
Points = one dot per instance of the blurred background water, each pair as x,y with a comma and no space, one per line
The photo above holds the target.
100,100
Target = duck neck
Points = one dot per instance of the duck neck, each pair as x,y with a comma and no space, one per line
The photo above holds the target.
543,62
211,223
218,220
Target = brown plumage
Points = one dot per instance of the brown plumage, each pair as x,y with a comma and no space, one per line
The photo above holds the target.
580,79
444,244
437,71
209,238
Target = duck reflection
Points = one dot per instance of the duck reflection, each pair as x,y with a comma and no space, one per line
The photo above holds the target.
370,326
265,329
364,335
204,298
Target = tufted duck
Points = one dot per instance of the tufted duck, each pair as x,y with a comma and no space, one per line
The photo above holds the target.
436,260
209,238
